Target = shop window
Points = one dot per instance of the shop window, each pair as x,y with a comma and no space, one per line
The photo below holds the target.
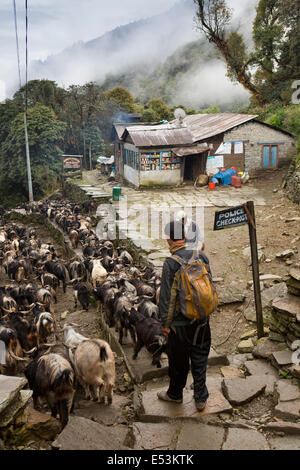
165,160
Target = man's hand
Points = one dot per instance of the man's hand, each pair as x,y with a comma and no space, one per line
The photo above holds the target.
166,332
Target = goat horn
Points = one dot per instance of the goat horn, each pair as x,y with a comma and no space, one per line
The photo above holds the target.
31,351
17,358
8,311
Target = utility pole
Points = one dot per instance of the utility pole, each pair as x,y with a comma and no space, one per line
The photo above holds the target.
90,154
28,161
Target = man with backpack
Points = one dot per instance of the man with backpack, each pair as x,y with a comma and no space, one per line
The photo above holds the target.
187,298
193,234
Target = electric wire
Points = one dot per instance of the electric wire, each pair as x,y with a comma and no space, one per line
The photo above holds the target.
26,66
17,42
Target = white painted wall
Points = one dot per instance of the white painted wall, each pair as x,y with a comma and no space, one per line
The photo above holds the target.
131,175
160,177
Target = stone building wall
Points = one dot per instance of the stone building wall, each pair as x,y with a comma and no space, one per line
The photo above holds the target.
255,134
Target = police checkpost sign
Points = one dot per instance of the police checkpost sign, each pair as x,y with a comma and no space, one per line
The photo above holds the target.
230,217
233,217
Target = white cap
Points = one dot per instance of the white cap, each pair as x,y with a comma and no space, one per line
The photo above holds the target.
180,215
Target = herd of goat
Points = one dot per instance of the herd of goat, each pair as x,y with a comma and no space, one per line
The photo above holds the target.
27,308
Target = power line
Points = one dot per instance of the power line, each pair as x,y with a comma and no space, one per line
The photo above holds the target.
26,74
17,42
25,100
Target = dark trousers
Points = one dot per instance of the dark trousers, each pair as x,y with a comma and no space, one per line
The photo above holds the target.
182,353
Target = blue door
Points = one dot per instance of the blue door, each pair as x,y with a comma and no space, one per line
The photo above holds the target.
266,156
270,156
274,152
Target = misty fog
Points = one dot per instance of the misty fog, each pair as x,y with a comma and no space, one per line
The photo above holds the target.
145,44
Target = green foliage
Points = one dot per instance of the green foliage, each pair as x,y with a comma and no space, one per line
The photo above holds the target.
268,69
238,55
157,110
292,120
45,132
45,92
122,97
213,109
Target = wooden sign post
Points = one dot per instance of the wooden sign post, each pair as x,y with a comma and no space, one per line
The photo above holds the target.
71,166
234,217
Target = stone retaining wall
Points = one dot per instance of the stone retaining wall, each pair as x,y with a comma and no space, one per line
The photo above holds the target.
293,183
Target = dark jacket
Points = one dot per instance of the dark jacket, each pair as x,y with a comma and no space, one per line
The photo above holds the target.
170,268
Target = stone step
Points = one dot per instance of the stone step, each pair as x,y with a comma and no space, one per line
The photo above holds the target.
288,410
155,436
288,305
151,409
199,436
230,296
9,389
141,368
215,359
19,403
101,413
84,434
286,391
282,426
265,349
241,391
285,443
245,439
282,359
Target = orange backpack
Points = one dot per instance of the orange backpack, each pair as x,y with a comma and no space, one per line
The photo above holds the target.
197,293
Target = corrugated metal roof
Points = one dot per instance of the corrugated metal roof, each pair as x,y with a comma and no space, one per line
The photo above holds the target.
120,127
119,130
203,126
159,136
182,152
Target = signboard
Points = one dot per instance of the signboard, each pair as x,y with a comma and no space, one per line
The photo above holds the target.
229,217
239,147
240,215
73,163
214,162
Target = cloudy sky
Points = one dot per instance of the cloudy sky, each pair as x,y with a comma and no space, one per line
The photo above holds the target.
57,24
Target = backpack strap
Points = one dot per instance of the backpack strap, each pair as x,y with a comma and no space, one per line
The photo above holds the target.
179,260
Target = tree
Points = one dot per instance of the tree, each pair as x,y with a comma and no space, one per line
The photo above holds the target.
122,97
94,140
45,133
82,103
213,109
157,110
45,92
267,71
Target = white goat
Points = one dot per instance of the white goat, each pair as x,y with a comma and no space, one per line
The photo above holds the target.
99,273
95,368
